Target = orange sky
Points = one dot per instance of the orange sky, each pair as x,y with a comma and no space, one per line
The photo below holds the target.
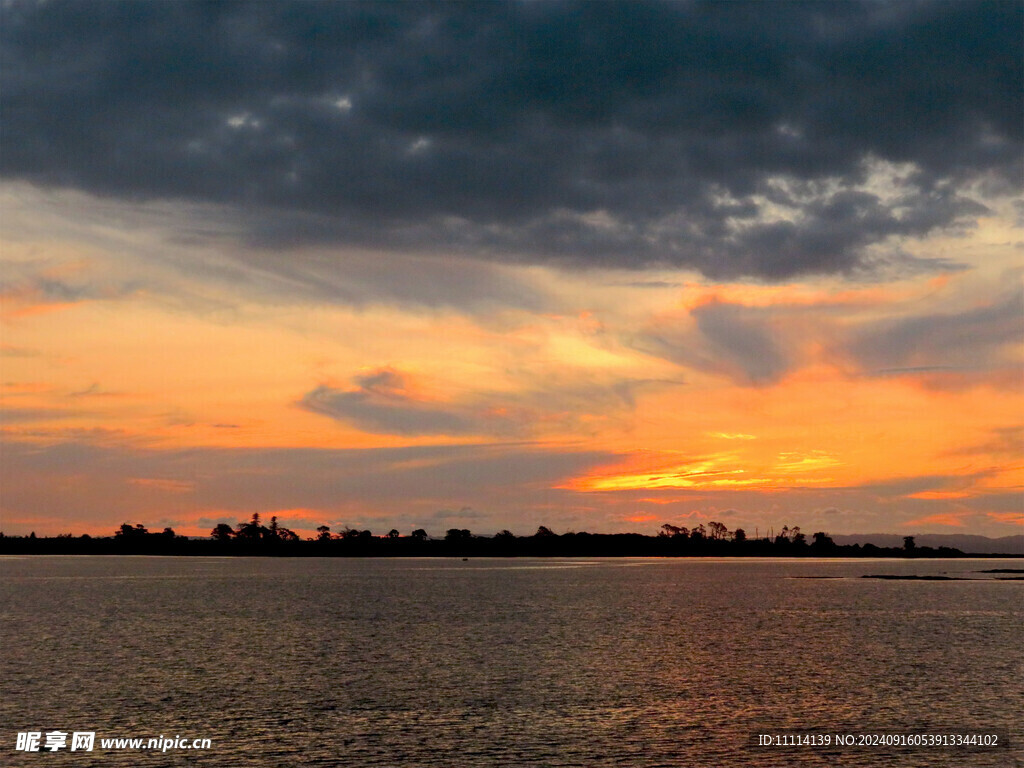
651,411
497,266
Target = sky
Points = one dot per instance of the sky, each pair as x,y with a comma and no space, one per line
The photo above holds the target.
594,266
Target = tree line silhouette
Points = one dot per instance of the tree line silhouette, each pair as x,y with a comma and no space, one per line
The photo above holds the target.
253,537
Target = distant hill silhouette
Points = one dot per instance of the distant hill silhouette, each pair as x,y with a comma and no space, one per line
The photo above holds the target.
981,545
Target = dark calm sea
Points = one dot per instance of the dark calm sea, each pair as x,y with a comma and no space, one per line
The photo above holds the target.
446,663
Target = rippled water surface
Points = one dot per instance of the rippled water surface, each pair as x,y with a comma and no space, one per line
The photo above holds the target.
342,662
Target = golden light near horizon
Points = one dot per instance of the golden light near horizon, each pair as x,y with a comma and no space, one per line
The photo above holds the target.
176,379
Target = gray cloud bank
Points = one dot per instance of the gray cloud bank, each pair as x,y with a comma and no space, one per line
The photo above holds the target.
760,346
981,338
734,138
727,339
380,403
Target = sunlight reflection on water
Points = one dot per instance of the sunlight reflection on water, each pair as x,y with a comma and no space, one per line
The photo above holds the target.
511,662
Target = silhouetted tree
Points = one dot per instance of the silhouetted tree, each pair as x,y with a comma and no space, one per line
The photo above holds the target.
393,533
259,539
254,530
351,533
277,532
821,542
782,539
323,533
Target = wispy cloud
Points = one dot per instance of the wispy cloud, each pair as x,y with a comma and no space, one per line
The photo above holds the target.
387,401
975,340
380,404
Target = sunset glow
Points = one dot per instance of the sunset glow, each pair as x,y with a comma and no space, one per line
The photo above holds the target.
804,339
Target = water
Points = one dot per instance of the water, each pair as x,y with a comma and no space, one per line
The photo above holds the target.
285,662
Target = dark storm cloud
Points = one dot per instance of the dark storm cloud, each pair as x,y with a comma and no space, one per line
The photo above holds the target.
618,134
